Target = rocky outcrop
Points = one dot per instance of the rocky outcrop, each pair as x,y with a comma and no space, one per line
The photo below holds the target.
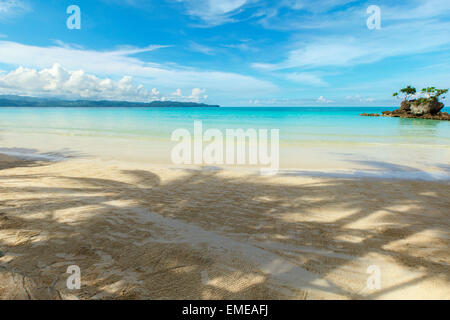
405,106
415,109
433,107
402,114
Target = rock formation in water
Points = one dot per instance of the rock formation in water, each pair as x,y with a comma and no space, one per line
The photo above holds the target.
427,107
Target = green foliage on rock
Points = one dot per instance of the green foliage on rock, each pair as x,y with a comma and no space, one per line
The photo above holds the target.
431,95
428,95
407,92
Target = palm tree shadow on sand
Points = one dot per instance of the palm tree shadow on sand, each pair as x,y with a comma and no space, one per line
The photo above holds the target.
205,235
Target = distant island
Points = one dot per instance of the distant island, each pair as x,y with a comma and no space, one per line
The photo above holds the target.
23,101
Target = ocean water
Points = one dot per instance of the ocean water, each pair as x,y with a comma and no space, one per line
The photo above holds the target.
333,141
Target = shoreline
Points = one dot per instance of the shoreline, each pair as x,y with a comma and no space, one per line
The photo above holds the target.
149,232
385,171
333,142
389,172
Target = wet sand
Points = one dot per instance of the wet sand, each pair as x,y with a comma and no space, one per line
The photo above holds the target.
158,232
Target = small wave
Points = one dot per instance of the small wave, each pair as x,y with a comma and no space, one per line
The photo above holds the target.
398,175
30,154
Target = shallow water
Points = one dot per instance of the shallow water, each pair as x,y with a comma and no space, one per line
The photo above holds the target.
331,141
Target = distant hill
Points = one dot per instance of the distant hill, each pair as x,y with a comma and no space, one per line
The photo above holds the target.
18,101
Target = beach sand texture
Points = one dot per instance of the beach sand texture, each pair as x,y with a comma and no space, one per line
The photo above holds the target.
143,232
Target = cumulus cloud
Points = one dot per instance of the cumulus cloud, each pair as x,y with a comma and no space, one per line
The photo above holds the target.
321,99
177,93
155,92
57,81
114,63
196,93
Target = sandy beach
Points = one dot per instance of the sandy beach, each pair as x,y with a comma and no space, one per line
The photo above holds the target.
220,152
160,232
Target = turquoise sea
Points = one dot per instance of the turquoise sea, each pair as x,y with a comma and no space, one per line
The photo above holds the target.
311,139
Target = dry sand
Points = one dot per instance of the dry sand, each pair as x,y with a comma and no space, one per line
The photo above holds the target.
143,232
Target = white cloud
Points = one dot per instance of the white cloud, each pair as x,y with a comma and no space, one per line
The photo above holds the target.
215,12
57,81
321,99
417,9
177,93
12,8
314,5
412,27
398,40
196,93
344,16
120,62
155,92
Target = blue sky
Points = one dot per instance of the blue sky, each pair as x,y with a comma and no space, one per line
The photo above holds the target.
227,52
